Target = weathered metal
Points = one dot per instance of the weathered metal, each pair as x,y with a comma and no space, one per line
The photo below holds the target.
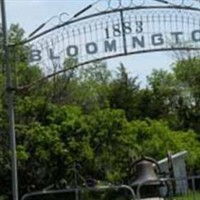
145,172
119,28
148,181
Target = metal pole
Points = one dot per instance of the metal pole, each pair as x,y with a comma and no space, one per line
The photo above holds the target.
9,91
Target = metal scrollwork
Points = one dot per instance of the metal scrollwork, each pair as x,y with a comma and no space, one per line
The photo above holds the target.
138,2
187,3
63,17
117,4
58,19
119,28
113,4
102,6
105,5
51,22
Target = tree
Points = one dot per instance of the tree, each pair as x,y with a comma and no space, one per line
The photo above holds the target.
18,63
92,88
113,144
89,123
124,93
187,73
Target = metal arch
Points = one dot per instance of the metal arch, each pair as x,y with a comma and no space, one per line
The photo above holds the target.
99,14
27,87
120,13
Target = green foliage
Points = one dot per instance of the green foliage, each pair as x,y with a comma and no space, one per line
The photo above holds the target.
163,94
187,73
89,123
110,127
124,93
156,136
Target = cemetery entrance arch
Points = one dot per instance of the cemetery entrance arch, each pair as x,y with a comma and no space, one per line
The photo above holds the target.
119,28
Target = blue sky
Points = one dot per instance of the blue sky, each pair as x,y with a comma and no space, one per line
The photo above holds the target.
31,13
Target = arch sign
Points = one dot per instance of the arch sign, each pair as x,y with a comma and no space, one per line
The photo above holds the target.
120,28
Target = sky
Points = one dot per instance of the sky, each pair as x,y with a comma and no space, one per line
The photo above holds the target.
31,13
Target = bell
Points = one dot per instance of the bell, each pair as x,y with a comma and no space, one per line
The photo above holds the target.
145,174
147,178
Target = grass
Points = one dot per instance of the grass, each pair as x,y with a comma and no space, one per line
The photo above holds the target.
189,196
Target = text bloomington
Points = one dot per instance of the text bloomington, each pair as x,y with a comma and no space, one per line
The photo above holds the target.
111,45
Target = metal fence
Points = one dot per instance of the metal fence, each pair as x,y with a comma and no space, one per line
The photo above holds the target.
187,189
173,189
169,189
